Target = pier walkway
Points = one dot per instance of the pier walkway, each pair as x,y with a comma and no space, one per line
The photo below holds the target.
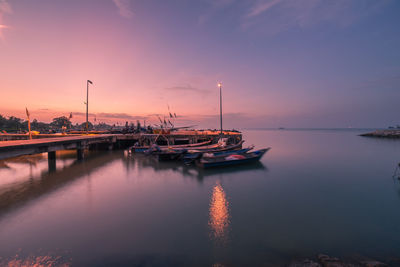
16,148
50,145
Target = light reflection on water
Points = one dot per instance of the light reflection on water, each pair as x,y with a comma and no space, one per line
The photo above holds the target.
219,215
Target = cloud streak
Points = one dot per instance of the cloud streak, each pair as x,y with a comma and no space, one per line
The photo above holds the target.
187,88
124,8
262,6
112,116
5,8
302,14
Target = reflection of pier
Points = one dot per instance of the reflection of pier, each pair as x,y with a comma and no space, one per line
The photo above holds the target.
22,192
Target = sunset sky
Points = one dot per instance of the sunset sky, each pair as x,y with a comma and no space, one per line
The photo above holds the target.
288,63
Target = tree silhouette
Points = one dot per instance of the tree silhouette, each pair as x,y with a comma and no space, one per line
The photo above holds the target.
59,122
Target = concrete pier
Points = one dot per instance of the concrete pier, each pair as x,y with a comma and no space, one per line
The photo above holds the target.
80,154
9,149
51,158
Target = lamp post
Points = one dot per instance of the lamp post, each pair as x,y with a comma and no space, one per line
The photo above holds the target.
87,105
220,104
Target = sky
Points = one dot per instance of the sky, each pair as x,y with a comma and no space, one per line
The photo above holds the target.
282,63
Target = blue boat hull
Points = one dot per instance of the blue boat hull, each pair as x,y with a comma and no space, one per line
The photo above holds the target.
250,158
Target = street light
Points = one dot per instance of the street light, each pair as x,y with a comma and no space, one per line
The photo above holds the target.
87,105
220,104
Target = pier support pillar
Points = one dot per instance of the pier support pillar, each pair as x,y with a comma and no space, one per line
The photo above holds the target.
80,154
51,155
51,158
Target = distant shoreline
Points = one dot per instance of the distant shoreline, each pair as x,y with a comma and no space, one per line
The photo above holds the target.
316,129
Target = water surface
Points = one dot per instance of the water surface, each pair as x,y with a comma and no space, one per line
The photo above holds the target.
314,192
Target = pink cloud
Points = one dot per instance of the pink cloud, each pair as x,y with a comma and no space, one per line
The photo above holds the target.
5,8
123,8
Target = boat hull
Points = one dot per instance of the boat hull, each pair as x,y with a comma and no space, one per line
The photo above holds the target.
144,149
189,158
223,162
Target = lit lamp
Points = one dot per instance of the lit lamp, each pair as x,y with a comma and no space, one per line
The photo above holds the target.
87,105
220,104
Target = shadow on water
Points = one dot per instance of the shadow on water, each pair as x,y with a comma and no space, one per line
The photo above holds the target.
20,193
148,162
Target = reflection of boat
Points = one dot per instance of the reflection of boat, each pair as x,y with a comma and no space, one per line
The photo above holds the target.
231,170
142,149
143,162
235,159
170,154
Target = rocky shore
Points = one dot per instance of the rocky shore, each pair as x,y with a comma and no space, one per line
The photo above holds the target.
383,134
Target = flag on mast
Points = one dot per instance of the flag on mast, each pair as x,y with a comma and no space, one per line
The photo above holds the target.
29,123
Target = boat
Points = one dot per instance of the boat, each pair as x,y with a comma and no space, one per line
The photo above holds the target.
233,159
142,149
179,153
216,148
189,158
228,152
220,146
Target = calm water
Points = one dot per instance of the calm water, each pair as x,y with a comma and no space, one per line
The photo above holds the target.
314,192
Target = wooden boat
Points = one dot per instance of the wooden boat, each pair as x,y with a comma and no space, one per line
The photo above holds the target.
227,152
234,159
216,148
189,158
197,149
142,149
179,153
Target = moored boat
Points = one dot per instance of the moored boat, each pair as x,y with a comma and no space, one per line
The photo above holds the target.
179,153
216,148
233,159
189,158
143,149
